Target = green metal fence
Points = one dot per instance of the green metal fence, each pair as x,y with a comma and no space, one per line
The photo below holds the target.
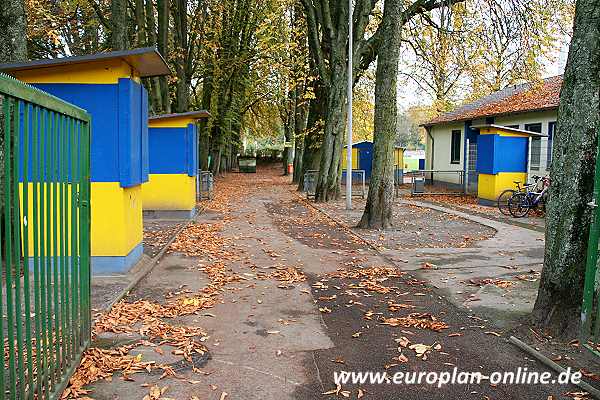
590,311
45,258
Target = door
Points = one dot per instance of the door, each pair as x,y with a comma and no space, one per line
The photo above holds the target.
365,162
473,175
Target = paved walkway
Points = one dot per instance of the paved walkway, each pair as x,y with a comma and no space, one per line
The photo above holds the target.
265,298
477,263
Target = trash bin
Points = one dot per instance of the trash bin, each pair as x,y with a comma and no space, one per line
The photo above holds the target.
310,183
418,185
205,188
247,164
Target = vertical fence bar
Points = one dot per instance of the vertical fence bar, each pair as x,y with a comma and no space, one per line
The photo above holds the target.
2,272
17,249
61,241
55,264
41,221
64,162
8,210
48,222
74,241
8,246
84,230
25,243
35,178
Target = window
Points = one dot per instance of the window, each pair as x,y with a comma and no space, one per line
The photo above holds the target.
455,147
490,120
536,146
536,153
534,127
551,130
513,126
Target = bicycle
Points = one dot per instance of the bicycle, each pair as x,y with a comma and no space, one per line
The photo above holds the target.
505,196
520,204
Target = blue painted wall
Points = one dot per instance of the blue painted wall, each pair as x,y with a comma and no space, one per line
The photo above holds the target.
119,144
485,154
512,154
497,153
173,150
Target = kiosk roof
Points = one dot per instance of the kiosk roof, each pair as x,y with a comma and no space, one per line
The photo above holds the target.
146,61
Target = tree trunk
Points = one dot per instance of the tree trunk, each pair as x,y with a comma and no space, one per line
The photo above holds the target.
118,22
311,158
378,210
154,85
300,134
575,144
13,47
181,50
328,184
163,41
140,21
203,130
13,31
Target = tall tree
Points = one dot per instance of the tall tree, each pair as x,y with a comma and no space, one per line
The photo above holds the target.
328,38
514,38
442,46
13,31
163,43
378,210
574,152
13,47
181,51
118,21
154,83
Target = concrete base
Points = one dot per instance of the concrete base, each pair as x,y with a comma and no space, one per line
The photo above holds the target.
486,202
170,214
110,265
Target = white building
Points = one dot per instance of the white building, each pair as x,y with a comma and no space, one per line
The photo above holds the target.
524,112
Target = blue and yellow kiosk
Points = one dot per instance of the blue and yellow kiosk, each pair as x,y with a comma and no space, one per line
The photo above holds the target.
502,159
108,86
173,152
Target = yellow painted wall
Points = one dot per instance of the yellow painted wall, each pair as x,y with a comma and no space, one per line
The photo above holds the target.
177,122
100,72
399,158
490,186
354,158
169,192
501,132
116,218
42,219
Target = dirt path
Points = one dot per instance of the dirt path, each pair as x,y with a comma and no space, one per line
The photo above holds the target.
265,298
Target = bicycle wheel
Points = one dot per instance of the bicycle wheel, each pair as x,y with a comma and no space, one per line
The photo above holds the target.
503,201
519,205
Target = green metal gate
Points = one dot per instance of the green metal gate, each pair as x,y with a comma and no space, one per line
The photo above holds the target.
45,258
590,311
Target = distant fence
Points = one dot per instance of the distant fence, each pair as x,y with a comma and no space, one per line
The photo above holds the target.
359,186
45,323
437,182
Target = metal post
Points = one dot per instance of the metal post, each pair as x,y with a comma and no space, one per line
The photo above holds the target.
350,81
466,171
